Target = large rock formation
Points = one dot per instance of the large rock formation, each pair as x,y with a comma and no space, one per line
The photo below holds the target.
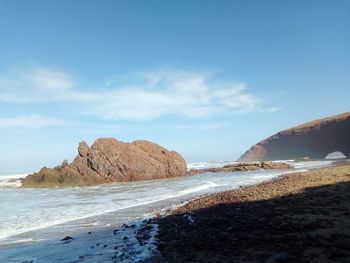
314,140
109,160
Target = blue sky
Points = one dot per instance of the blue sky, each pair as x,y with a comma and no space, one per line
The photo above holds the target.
205,78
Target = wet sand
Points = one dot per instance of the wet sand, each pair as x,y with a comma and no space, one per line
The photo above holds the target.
299,217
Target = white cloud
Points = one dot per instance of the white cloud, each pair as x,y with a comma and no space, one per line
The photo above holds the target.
139,96
51,81
237,98
29,121
273,109
189,94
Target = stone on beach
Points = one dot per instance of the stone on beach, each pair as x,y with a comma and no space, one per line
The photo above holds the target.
67,238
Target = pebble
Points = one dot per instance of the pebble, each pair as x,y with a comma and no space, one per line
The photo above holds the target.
67,238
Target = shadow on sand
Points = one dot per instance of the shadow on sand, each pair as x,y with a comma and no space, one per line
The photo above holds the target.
311,226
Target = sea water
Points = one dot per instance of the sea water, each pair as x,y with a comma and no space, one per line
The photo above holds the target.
42,214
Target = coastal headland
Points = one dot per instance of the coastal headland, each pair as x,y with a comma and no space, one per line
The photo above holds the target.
315,140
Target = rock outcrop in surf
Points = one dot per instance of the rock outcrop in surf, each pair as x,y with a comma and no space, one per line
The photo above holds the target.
109,160
243,167
313,140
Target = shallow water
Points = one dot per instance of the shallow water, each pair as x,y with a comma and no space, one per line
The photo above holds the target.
43,214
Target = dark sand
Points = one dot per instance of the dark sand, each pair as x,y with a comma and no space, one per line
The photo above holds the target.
300,217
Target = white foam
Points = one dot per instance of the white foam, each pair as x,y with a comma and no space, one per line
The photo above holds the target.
24,240
148,249
197,188
204,165
10,184
61,215
310,164
11,180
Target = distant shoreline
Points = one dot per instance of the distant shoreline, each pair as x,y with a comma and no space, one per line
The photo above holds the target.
296,216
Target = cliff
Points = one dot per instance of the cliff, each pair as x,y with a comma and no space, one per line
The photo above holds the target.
109,160
315,139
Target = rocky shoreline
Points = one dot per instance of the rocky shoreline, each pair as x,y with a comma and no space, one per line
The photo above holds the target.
126,243
299,217
243,167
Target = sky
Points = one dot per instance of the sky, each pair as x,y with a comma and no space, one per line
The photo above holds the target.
205,78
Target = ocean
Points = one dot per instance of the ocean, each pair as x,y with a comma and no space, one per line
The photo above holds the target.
32,221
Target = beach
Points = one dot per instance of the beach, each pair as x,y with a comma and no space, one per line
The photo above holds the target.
35,220
269,216
299,217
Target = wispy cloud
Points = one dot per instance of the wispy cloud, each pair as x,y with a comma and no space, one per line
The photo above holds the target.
30,121
52,82
140,96
272,109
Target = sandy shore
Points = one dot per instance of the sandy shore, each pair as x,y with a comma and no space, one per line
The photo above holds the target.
299,217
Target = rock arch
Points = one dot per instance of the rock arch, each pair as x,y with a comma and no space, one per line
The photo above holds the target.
335,155
314,139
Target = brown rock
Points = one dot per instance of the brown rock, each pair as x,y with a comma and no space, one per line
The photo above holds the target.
314,139
83,148
109,160
244,166
64,163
